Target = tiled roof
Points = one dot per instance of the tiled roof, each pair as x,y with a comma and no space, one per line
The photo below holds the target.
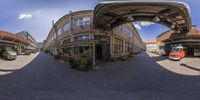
149,41
14,37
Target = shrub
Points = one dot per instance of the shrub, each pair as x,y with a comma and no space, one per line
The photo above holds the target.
64,58
81,63
72,62
57,56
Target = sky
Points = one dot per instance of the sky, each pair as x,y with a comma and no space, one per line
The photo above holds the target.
36,16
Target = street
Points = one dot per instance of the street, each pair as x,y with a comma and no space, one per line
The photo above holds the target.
141,78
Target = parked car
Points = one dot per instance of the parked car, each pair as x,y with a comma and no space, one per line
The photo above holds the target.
34,51
196,52
9,54
177,53
27,52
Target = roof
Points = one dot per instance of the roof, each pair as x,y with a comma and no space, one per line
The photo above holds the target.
10,37
150,41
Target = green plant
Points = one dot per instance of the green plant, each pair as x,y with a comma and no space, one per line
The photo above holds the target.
81,63
57,56
64,58
72,62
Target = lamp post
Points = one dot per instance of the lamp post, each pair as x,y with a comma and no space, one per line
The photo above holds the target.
93,45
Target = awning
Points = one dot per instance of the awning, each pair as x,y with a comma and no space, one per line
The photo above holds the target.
175,15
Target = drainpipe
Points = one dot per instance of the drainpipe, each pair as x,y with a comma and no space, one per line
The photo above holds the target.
94,49
94,58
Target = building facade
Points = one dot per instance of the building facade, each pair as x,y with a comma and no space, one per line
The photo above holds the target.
75,33
26,35
151,45
10,40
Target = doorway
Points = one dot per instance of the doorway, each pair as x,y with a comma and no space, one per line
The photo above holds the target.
98,52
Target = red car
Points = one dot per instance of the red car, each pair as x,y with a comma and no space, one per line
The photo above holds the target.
177,53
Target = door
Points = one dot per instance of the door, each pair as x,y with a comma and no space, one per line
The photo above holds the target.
98,52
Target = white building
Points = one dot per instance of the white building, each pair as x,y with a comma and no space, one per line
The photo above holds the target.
151,45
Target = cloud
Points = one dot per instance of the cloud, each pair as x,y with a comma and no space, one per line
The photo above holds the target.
137,26
146,24
38,12
25,16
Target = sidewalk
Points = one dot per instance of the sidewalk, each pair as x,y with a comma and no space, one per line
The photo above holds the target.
7,66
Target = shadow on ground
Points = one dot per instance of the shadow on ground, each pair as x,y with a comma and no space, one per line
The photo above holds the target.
140,78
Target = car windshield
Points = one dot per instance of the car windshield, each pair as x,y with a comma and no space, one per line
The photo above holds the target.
174,49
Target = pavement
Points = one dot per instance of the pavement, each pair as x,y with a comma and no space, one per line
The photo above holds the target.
8,66
141,78
189,66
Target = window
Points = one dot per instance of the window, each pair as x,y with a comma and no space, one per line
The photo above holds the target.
124,29
82,38
59,31
86,20
118,45
126,47
82,21
81,49
78,21
66,26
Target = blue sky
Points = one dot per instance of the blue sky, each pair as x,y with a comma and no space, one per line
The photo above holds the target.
35,16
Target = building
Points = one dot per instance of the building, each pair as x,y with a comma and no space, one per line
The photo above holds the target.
39,45
10,40
26,35
151,45
190,40
75,33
